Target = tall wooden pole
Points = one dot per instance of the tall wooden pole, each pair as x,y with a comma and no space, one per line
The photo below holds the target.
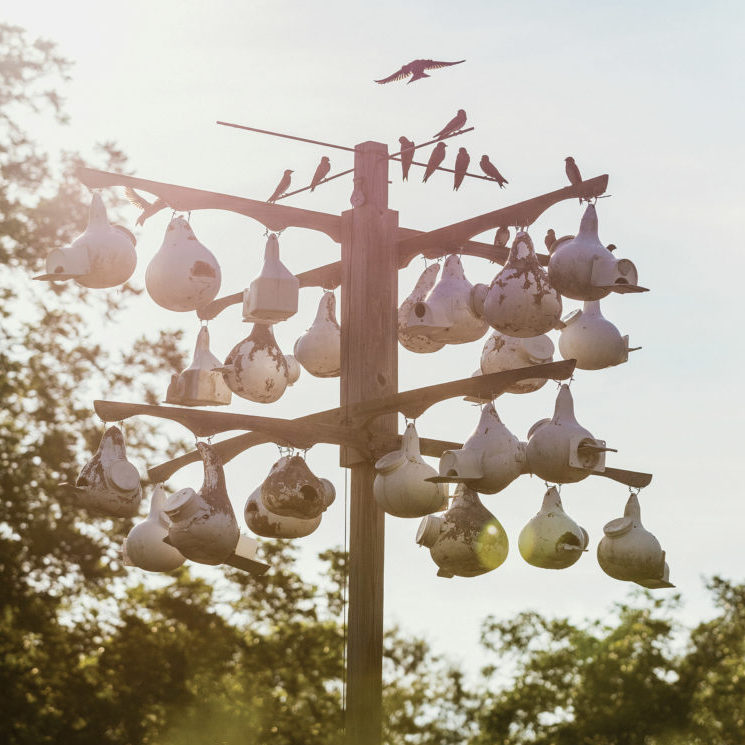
369,369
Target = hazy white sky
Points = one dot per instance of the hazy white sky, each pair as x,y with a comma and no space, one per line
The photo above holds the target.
650,93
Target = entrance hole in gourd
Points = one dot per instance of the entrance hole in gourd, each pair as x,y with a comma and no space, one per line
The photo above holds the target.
419,310
569,539
202,269
308,493
451,473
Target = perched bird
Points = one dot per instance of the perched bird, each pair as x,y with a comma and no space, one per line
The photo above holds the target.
438,155
573,173
461,166
611,247
407,155
416,69
321,172
491,171
453,125
501,237
282,186
148,208
550,239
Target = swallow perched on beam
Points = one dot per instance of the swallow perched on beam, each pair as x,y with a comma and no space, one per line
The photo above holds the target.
321,172
461,166
148,208
550,238
453,125
407,155
438,155
282,186
416,69
573,173
491,171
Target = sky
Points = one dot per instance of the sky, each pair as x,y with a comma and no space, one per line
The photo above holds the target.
649,93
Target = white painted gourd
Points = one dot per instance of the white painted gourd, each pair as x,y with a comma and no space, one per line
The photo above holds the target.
103,256
490,459
203,525
415,342
291,489
400,487
184,275
502,352
552,540
582,268
200,384
318,350
560,450
293,369
108,483
273,295
446,315
144,546
591,339
630,552
521,301
270,525
256,369
467,540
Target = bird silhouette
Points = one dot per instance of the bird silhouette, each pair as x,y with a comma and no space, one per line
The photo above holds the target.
282,186
416,69
573,173
437,156
453,125
550,239
407,155
461,166
321,172
502,236
148,208
491,170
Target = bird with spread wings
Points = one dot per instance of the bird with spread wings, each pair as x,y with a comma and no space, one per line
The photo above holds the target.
416,69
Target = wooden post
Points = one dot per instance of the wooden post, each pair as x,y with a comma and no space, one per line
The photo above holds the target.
369,369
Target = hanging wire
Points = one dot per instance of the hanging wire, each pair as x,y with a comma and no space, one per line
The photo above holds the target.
344,586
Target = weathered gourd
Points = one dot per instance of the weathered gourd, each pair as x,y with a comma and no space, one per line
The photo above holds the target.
184,275
446,315
582,268
144,546
467,540
273,295
108,483
560,450
318,350
551,539
203,525
256,369
199,384
630,552
591,339
502,352
400,487
103,256
293,369
418,342
490,459
521,301
264,522
292,490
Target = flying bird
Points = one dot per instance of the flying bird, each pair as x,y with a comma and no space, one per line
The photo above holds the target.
321,172
453,125
148,208
416,69
407,155
282,186
438,155
573,173
461,166
550,239
491,171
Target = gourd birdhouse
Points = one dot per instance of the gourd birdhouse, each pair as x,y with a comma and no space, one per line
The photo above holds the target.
199,384
291,489
502,352
552,540
203,525
400,486
591,339
273,295
630,552
560,450
256,369
318,350
582,268
446,315
467,540
184,275
521,301
418,342
490,459
144,546
108,483
103,256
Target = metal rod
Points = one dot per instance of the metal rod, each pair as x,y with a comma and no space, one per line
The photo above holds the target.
287,137
305,188
450,170
437,139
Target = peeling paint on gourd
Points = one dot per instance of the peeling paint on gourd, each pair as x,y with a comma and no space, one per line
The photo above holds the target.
502,352
270,525
292,490
412,341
